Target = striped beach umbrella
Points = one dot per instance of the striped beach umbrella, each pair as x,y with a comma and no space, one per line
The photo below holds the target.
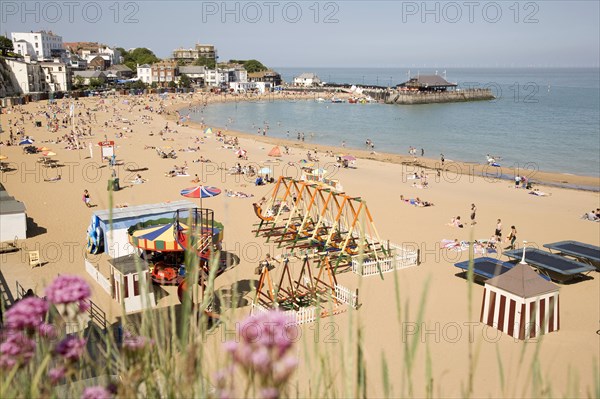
200,192
161,238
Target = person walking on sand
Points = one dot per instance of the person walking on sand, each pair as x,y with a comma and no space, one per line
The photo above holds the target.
473,212
512,237
498,232
442,159
86,198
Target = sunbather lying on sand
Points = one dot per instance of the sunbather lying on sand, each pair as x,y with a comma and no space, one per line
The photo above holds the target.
238,194
455,222
539,193
416,202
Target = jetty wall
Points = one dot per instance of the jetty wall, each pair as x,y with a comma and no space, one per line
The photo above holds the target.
399,97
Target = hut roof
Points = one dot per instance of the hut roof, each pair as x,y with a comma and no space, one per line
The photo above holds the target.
522,281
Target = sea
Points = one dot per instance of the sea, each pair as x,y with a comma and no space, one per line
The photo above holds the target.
542,118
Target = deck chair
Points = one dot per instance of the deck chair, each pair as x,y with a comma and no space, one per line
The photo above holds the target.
34,259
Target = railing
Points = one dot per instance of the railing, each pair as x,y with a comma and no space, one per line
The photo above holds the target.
97,315
20,291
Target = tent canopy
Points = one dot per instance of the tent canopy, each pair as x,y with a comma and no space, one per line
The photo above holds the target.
157,238
275,152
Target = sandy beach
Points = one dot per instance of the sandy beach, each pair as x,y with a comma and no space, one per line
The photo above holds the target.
59,219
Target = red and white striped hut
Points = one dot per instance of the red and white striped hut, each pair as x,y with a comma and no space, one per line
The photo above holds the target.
521,303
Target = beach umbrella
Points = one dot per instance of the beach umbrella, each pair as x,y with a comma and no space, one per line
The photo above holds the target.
200,192
349,158
48,154
44,149
264,171
26,142
158,238
241,153
208,131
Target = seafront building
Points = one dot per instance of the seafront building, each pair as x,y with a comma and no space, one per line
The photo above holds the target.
307,80
39,46
33,77
58,76
190,55
164,72
144,73
87,76
269,76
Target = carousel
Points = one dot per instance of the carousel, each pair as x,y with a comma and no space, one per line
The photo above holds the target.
164,245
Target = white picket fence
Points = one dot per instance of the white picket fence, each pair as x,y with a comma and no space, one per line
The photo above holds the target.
404,257
346,295
99,277
401,258
302,316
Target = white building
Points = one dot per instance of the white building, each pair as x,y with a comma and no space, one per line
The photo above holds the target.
216,77
144,73
248,87
58,76
40,45
115,55
238,75
307,80
87,76
28,77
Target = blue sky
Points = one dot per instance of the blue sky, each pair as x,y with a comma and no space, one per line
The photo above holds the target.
334,34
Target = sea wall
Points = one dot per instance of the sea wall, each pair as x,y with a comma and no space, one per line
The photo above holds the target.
398,97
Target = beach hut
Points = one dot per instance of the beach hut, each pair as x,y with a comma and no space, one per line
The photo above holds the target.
521,303
275,152
128,274
13,219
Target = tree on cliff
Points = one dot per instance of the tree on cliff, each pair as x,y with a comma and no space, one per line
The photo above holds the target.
6,45
140,55
207,62
254,66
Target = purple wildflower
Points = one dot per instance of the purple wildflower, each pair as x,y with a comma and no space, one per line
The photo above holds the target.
132,343
96,392
68,289
269,393
56,374
16,349
47,330
265,340
27,314
71,348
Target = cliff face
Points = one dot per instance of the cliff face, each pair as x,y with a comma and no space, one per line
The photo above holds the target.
396,97
8,82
